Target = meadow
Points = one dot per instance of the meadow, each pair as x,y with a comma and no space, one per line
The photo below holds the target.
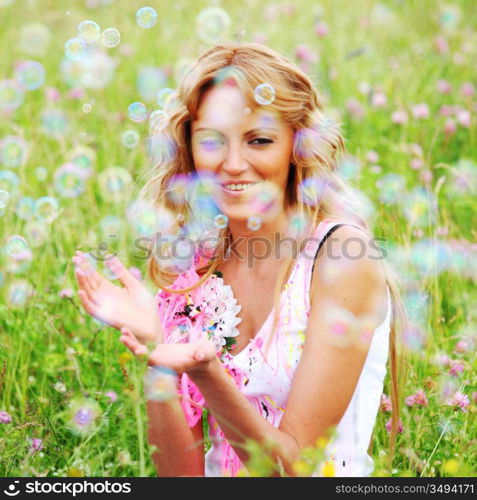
399,75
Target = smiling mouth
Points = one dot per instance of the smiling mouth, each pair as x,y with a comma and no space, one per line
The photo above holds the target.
238,188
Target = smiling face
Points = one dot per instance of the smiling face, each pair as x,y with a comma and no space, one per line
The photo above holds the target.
245,150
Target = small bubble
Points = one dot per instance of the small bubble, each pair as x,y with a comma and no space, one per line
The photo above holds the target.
146,17
254,223
89,31
221,221
137,112
111,37
264,94
75,49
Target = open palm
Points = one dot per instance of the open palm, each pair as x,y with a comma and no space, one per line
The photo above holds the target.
131,306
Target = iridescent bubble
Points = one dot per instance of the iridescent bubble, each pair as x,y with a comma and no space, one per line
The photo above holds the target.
137,112
254,223
264,94
115,184
111,225
36,233
69,181
161,148
75,49
21,262
420,207
9,181
213,24
82,416
16,246
349,167
13,151
4,198
158,120
147,220
89,31
178,188
312,190
47,209
86,108
34,38
221,221
464,178
25,207
130,139
11,95
30,75
85,158
431,257
264,199
306,141
146,17
41,173
149,81
111,37
168,99
391,187
54,122
450,17
18,292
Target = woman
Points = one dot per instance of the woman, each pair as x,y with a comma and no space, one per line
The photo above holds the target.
307,354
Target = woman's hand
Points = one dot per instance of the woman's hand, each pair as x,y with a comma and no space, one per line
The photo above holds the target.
131,306
192,358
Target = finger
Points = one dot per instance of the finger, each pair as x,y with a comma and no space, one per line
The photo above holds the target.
124,276
92,275
84,283
88,305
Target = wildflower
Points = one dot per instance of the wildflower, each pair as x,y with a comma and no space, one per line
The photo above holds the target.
461,347
451,466
372,156
467,89
124,357
444,87
420,111
400,428
304,53
83,415
417,399
328,469
111,395
321,29
60,387
74,472
399,117
416,163
355,109
463,117
52,93
36,444
386,404
5,417
379,100
459,400
450,126
456,367
443,360
66,293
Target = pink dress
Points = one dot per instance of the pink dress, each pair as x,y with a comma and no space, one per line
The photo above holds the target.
267,383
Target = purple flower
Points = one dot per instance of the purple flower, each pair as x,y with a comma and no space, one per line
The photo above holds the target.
36,444
379,100
467,89
420,111
444,87
111,395
417,399
66,293
304,53
461,347
456,367
400,427
5,417
386,404
459,400
321,29
399,117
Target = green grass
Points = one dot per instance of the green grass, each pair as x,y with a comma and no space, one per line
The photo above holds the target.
50,339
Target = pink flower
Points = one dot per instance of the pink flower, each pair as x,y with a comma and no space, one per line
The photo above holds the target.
450,126
446,110
461,347
354,108
416,163
444,87
386,404
136,273
36,444
474,396
426,176
456,367
260,38
467,89
5,417
399,117
52,94
420,111
111,395
463,117
372,156
77,93
379,100
417,399
442,231
443,360
321,29
459,400
66,293
400,427
441,44
304,53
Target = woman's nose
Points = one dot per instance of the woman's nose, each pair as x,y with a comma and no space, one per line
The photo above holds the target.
235,161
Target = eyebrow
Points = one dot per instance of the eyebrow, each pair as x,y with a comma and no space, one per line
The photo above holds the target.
246,133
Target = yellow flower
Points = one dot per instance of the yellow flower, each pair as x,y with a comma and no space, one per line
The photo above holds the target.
301,468
451,466
74,472
328,469
124,357
321,442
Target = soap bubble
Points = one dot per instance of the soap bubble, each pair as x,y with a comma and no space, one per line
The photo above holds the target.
85,158
254,223
115,183
36,233
311,190
15,246
111,37
11,95
89,31
391,187
149,81
54,122
9,181
4,198
147,220
34,39
13,151
111,225
18,292
130,139
158,120
168,99
264,94
213,24
69,181
137,112
419,207
146,17
178,188
25,208
47,209
221,221
75,49
30,75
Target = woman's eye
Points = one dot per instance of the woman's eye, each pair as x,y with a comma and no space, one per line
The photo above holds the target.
263,140
209,144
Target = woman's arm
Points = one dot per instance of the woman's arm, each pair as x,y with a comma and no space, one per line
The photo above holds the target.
180,449
327,373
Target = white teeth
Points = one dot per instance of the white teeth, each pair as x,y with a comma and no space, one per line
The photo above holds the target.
239,187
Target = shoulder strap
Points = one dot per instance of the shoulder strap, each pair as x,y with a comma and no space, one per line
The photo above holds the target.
329,233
